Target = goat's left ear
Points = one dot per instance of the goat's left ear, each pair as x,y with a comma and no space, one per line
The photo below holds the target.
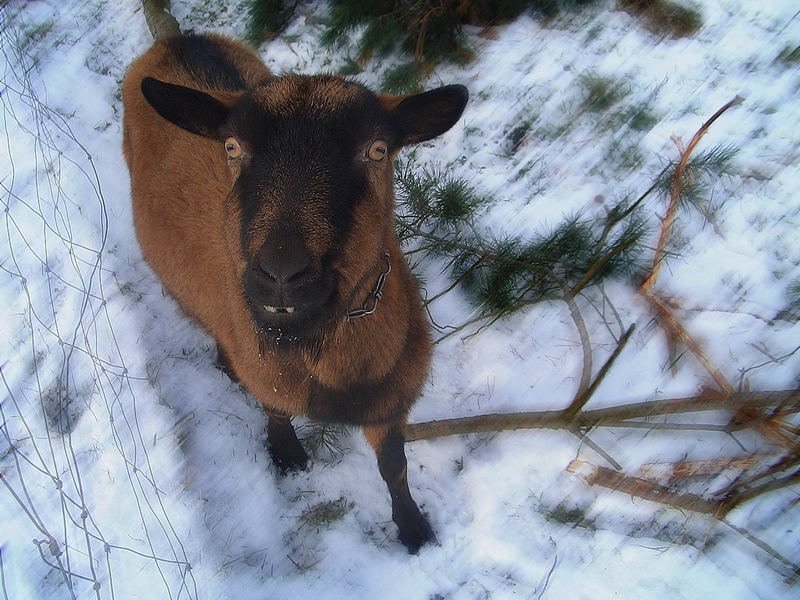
424,116
189,109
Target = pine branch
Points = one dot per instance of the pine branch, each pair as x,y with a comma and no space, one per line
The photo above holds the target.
600,264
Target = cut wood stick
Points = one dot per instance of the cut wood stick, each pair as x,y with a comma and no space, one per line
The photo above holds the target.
641,488
701,468
648,490
555,419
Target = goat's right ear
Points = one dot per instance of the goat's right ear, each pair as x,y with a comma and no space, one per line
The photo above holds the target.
189,109
421,117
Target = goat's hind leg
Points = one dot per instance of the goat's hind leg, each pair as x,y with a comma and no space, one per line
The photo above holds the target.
388,442
284,447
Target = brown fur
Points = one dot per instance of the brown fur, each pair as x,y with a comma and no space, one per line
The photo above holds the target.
188,217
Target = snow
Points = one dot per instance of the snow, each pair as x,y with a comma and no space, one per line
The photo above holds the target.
163,463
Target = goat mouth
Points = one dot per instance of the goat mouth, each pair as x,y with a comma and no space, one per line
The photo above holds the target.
279,309
282,313
292,318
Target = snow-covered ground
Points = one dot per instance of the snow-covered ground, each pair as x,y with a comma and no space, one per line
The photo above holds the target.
132,468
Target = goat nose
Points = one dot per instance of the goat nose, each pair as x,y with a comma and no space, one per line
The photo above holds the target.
283,264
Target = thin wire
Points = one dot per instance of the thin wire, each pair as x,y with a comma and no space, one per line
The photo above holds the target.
88,330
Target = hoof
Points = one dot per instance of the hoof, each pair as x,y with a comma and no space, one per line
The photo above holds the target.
290,462
415,532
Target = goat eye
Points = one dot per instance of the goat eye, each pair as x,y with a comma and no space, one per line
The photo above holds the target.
233,148
378,150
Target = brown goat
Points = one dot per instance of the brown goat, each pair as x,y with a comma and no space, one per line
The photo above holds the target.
265,205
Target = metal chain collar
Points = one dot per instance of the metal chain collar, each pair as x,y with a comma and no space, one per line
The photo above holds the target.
374,296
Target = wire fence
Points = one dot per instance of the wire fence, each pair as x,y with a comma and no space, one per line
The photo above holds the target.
62,361
60,358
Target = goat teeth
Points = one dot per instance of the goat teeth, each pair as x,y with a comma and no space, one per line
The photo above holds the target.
279,309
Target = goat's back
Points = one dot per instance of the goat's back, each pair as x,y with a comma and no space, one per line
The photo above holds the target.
178,182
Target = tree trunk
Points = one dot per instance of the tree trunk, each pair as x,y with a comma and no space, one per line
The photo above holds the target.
159,20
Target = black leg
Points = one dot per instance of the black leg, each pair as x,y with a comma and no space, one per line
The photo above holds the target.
284,447
414,527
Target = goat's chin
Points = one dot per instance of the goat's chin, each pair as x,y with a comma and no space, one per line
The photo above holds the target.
290,321
301,328
282,338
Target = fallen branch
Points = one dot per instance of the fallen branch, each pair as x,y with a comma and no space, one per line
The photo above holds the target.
741,496
556,419
767,423
649,490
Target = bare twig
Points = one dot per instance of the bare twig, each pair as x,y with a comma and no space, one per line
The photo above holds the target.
687,339
764,546
586,346
549,575
583,397
594,446
678,186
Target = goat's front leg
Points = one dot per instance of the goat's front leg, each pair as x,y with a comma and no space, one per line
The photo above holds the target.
284,447
224,364
388,441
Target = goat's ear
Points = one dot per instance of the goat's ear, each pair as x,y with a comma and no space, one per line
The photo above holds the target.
424,116
189,109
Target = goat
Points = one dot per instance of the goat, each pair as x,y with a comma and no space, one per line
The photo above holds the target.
265,205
